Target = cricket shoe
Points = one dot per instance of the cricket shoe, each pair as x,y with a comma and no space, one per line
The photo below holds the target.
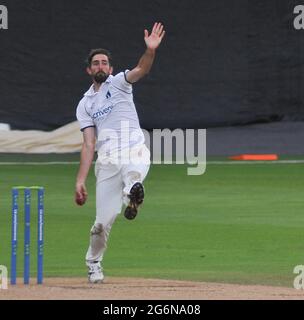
136,197
95,273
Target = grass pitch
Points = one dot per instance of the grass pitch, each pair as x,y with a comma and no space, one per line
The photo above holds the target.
236,224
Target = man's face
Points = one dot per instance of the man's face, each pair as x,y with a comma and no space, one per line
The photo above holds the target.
100,68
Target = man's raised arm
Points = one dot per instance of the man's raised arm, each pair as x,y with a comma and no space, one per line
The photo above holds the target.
145,63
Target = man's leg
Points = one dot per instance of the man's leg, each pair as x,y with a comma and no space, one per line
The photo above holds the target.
133,175
108,205
98,241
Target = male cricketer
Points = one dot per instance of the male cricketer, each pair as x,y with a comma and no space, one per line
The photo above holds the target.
109,123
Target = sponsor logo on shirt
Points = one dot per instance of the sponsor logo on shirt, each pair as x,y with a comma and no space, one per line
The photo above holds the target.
102,112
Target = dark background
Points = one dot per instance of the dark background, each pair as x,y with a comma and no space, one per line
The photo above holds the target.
222,63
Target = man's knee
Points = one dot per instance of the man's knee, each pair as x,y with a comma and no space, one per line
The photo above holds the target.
97,229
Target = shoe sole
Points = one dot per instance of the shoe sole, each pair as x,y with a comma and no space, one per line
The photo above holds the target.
136,196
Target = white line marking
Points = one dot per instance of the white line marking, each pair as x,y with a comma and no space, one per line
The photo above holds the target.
228,162
257,162
38,163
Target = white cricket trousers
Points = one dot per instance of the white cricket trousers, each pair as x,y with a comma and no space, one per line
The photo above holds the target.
113,184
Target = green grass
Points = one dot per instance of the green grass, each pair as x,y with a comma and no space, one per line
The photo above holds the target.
235,223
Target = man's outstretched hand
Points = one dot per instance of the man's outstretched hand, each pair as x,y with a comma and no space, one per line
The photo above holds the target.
154,39
81,194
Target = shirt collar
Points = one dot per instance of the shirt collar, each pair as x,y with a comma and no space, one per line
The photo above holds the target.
91,91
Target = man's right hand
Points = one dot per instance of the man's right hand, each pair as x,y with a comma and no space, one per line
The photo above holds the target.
81,194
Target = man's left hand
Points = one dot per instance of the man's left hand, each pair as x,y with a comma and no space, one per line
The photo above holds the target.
154,39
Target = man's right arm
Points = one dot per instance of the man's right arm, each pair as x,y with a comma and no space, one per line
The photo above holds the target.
86,158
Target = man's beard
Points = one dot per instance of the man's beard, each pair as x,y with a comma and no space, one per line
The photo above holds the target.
100,77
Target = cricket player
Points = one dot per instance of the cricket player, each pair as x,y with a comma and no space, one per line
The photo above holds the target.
109,122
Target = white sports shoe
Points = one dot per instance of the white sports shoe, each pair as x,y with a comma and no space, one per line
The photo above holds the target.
95,273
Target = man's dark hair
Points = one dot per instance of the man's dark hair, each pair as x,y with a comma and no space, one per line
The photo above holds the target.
93,52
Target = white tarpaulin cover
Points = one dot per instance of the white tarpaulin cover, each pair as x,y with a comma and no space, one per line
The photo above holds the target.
62,140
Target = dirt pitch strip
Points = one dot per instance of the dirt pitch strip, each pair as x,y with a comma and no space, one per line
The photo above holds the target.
144,289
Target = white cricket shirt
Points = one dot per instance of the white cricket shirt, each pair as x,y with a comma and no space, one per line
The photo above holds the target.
112,112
